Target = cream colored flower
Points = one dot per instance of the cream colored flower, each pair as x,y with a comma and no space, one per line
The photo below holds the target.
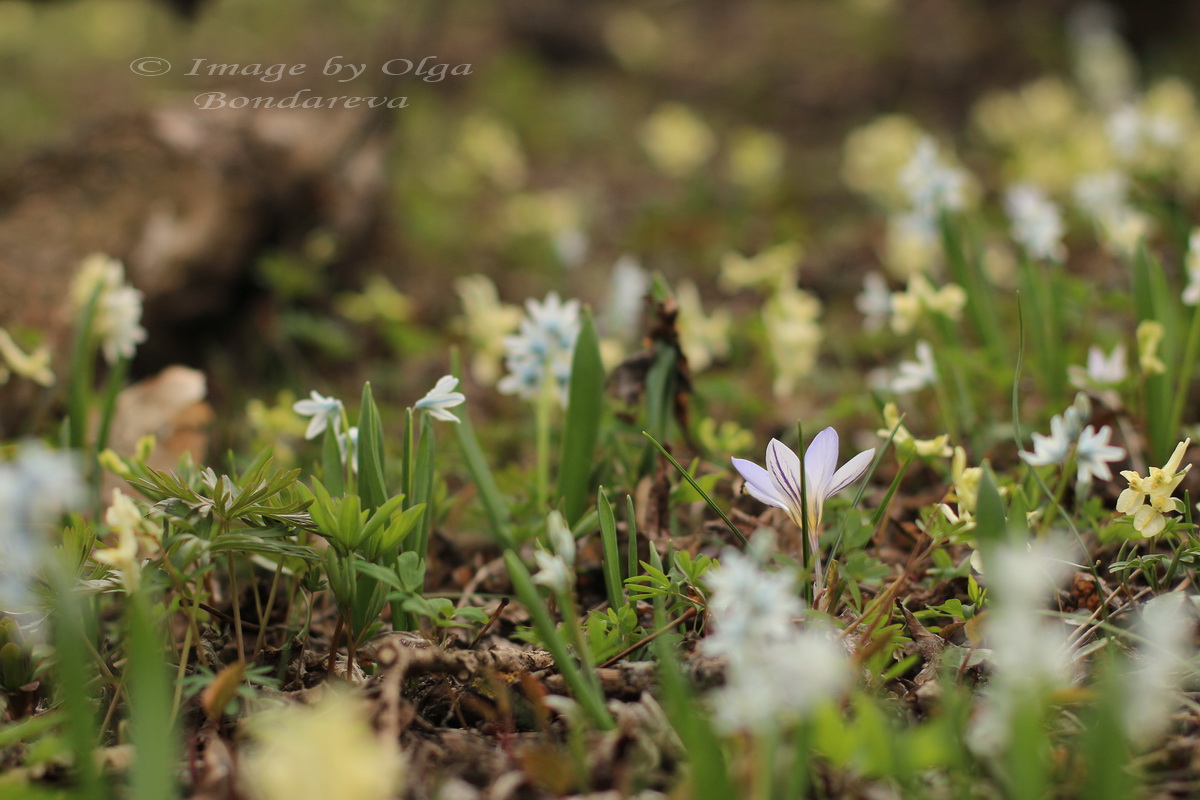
322,752
1148,499
35,366
703,336
1149,336
126,520
772,268
677,141
910,306
486,322
903,440
794,335
756,158
117,313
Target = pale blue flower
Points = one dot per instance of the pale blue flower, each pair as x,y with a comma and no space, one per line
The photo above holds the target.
779,484
441,398
322,410
543,345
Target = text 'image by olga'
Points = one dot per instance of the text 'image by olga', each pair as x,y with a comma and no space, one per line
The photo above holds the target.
439,400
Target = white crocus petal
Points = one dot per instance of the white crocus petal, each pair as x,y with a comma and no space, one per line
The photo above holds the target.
849,472
441,398
759,483
322,409
784,467
820,462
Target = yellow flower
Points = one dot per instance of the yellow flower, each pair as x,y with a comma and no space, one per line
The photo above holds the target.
35,366
937,447
756,159
1148,498
677,141
874,155
126,520
771,268
1149,336
704,337
486,321
794,334
322,752
909,306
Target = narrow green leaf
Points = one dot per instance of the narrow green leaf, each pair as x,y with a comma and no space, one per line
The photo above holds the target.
631,530
612,554
710,773
423,476
489,494
711,503
585,406
371,484
332,469
150,707
586,693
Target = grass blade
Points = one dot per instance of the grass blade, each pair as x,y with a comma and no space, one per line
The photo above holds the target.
585,406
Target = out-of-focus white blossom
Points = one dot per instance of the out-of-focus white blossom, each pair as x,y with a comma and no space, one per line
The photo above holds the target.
874,302
36,488
117,313
325,412
775,671
1036,222
912,376
1191,292
542,348
627,290
1152,684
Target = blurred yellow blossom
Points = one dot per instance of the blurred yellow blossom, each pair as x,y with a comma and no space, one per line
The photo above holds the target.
126,519
910,250
485,321
379,300
1149,336
904,441
725,439
677,141
35,365
703,337
634,37
493,149
756,159
772,268
911,305
322,752
791,317
874,155
1048,135
550,213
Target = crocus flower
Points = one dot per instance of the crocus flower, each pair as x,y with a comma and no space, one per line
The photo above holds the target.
441,398
779,484
322,409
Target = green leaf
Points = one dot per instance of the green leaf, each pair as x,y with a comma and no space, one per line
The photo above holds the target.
703,494
489,493
612,554
371,484
585,406
423,476
586,693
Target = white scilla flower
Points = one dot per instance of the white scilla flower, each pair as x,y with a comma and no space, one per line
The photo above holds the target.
441,398
542,348
323,410
1093,454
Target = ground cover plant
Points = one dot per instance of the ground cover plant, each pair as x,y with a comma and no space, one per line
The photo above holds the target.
747,530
